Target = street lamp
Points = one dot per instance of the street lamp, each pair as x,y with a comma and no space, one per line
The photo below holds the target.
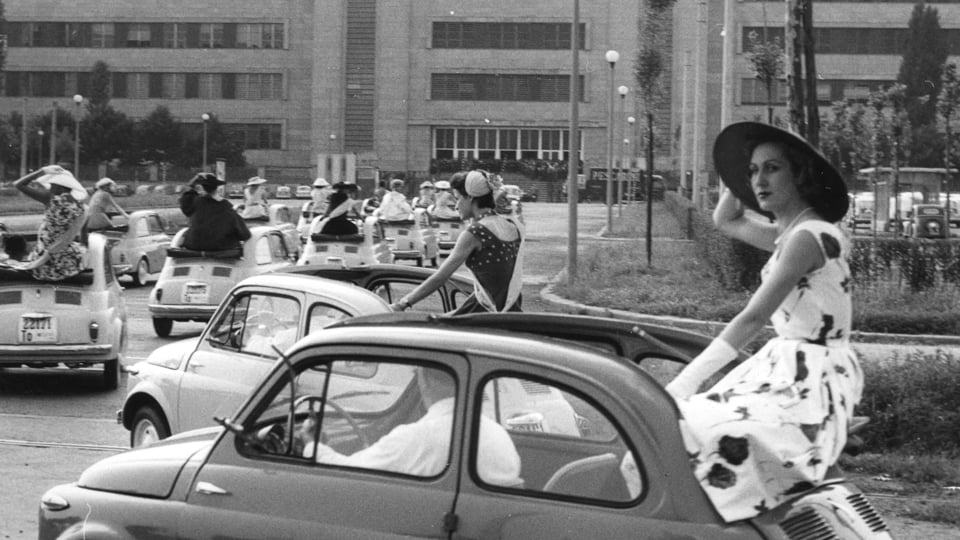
612,57
622,90
631,121
78,100
205,117
39,149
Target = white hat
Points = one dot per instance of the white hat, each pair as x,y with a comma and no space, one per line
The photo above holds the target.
256,181
321,183
63,177
477,184
442,184
104,182
426,184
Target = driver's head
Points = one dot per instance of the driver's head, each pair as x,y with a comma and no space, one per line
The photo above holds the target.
435,384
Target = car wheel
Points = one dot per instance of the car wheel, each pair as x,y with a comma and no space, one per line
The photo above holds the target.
142,273
111,374
162,327
148,427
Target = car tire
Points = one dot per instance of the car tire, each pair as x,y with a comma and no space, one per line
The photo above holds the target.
148,426
162,327
111,374
142,273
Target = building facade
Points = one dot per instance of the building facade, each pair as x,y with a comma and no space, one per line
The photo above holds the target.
858,50
396,82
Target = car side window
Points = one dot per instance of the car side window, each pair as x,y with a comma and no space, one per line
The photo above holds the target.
143,228
395,418
226,331
568,445
393,291
270,321
263,254
154,225
278,247
323,314
283,215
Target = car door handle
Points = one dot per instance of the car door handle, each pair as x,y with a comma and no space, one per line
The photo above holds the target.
194,364
209,489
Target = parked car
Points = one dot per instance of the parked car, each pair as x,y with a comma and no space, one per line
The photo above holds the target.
414,239
303,191
78,322
447,231
283,192
928,221
260,476
182,385
394,281
368,246
141,245
279,215
192,284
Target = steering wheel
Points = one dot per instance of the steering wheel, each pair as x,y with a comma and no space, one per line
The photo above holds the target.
354,425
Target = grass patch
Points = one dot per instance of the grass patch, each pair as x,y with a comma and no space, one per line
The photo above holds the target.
936,471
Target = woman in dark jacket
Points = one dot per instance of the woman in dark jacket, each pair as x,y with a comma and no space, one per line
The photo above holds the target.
214,224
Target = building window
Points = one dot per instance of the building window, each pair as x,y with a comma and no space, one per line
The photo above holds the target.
138,85
211,35
72,35
249,36
505,143
257,136
272,36
174,85
211,86
175,35
475,35
259,86
101,35
138,35
497,87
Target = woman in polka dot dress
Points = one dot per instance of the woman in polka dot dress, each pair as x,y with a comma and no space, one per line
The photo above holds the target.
492,248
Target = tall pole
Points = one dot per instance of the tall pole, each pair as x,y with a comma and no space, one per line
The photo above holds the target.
53,135
649,186
205,117
623,95
23,139
573,161
39,148
78,100
726,86
634,134
612,57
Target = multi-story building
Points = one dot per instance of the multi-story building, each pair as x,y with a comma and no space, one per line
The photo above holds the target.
858,50
397,82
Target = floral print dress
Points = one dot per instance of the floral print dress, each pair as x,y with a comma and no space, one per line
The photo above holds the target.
773,425
59,215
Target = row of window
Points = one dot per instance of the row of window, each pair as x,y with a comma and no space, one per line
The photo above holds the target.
501,87
504,35
160,35
486,143
853,40
753,92
243,86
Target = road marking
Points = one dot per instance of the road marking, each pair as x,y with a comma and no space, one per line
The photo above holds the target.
43,444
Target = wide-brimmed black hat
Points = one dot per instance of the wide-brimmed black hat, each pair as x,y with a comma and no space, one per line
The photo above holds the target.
732,161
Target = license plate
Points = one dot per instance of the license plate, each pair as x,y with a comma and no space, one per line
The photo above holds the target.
37,328
196,294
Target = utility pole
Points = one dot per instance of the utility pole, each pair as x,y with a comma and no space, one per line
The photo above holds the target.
793,50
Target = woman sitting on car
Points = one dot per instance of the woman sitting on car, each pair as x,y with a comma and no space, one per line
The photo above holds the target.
102,205
214,224
339,206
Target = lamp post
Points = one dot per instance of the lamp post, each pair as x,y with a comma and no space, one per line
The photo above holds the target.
205,117
612,57
39,148
622,90
53,135
78,100
573,148
633,152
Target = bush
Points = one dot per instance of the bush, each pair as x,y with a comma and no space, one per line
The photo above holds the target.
919,264
914,404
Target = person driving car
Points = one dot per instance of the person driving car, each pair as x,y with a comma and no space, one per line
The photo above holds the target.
422,448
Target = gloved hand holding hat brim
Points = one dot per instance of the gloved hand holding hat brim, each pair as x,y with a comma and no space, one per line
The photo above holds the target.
55,174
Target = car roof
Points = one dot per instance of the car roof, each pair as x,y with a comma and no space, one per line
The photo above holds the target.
315,285
372,270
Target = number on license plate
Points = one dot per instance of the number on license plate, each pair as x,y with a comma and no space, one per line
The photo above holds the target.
196,294
37,328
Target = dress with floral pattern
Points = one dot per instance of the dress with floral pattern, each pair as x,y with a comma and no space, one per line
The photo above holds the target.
772,426
59,215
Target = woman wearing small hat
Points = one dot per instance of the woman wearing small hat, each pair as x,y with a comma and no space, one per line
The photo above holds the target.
773,425
491,247
445,206
427,195
57,254
316,206
394,205
214,224
102,205
255,205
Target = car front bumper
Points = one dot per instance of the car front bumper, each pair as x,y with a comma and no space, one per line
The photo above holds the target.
181,312
54,354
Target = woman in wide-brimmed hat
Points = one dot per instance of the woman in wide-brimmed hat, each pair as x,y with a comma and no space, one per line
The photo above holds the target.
255,204
57,254
772,426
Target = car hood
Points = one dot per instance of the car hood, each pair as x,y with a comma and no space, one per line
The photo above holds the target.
150,471
172,354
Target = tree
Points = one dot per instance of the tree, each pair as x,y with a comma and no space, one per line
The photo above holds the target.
10,130
100,82
157,136
220,145
947,104
106,134
766,57
923,60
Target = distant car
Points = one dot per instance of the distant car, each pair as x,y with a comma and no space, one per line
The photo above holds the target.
123,190
282,217
303,191
283,192
579,400
414,239
928,221
513,191
141,245
79,321
235,191
192,284
368,246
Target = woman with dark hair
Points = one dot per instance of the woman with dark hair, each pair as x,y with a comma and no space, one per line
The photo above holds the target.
491,247
772,426
339,207
214,224
57,253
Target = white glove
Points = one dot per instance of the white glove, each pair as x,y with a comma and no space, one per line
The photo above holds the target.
717,355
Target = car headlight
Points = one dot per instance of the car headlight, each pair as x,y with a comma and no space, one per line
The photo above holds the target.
53,502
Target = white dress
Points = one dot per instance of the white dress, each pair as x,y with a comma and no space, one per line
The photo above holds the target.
773,425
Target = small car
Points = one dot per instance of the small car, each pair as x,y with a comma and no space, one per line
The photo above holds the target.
393,281
235,191
413,238
141,245
283,192
369,246
928,221
509,202
279,215
495,469
303,191
447,230
78,322
180,386
192,284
